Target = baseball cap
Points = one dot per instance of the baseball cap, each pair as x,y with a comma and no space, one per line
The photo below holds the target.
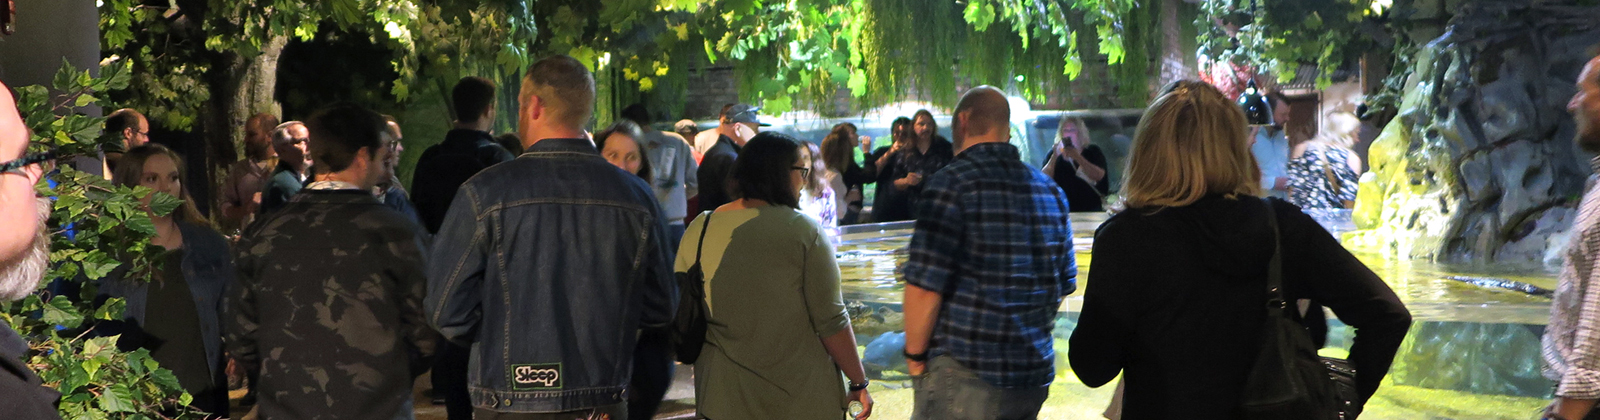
685,125
744,113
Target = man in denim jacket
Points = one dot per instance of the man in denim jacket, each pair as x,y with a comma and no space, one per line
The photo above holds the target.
548,265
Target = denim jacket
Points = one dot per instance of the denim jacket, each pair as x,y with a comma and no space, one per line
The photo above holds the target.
207,268
548,265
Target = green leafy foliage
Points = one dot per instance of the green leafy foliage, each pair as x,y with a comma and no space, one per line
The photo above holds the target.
799,53
96,229
1277,37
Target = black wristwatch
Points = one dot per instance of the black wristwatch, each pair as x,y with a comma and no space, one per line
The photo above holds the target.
919,357
857,387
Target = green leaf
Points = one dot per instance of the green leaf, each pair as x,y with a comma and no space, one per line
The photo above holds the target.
139,361
162,204
114,76
97,264
141,224
118,399
66,77
111,310
59,311
84,100
979,13
165,379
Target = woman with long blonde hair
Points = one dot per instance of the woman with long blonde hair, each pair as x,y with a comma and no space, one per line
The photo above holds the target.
1323,171
1078,166
1176,300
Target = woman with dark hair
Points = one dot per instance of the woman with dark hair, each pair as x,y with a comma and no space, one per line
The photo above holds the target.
889,203
177,314
619,144
777,333
652,355
817,198
846,176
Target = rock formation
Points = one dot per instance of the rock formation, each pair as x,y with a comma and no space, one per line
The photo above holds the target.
1479,164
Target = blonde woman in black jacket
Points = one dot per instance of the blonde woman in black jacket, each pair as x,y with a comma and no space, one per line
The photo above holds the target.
1175,299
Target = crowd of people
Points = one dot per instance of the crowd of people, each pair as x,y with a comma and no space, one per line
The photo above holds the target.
1318,173
539,284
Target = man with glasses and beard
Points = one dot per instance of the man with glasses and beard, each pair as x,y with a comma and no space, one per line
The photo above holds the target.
24,256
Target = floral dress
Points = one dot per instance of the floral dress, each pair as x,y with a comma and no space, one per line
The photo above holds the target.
823,209
1313,175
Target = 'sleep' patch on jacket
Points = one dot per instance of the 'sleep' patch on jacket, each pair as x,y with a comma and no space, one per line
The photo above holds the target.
536,377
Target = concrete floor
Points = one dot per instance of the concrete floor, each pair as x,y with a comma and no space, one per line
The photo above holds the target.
678,404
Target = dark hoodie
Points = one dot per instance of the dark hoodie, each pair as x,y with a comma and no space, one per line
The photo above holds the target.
1175,301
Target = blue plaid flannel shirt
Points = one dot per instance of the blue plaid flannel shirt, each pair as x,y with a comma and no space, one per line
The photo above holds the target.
993,239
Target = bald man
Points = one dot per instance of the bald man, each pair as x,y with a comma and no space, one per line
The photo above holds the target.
1572,340
292,142
978,282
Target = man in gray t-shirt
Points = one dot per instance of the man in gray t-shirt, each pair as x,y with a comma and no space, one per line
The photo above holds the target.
673,170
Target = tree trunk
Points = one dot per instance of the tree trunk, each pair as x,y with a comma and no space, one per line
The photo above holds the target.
247,88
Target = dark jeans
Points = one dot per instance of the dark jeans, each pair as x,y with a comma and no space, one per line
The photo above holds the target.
675,237
652,373
450,380
652,359
949,391
610,412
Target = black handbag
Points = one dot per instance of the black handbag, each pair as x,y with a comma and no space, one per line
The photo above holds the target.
689,326
1288,379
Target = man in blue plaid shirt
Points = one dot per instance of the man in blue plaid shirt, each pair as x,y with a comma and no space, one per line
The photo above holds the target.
991,258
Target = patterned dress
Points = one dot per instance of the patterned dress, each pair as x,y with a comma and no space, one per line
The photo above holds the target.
1310,185
823,209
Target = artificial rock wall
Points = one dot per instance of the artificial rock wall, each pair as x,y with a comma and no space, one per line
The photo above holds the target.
1479,165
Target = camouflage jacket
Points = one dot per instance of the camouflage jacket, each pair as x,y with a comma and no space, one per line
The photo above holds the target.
329,308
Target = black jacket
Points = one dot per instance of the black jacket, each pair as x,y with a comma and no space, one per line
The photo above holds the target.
22,395
445,166
1080,195
1175,302
328,308
713,173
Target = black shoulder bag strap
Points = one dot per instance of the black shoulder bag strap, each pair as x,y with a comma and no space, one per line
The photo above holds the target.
699,248
1275,302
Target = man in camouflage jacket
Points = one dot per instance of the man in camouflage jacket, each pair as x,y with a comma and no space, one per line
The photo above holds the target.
329,301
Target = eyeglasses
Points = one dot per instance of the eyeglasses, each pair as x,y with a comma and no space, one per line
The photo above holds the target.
804,171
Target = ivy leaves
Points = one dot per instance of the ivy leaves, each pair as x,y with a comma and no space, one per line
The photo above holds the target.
1281,36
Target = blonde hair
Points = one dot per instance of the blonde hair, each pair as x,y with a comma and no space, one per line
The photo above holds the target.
1083,129
1191,142
1340,130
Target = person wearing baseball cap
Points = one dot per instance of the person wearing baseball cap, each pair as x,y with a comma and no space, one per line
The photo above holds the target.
739,123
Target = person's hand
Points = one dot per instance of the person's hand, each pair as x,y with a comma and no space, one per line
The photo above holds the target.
1071,152
1569,408
866,403
914,178
866,145
916,368
1281,184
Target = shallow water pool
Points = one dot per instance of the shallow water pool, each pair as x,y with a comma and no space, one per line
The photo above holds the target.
1472,352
